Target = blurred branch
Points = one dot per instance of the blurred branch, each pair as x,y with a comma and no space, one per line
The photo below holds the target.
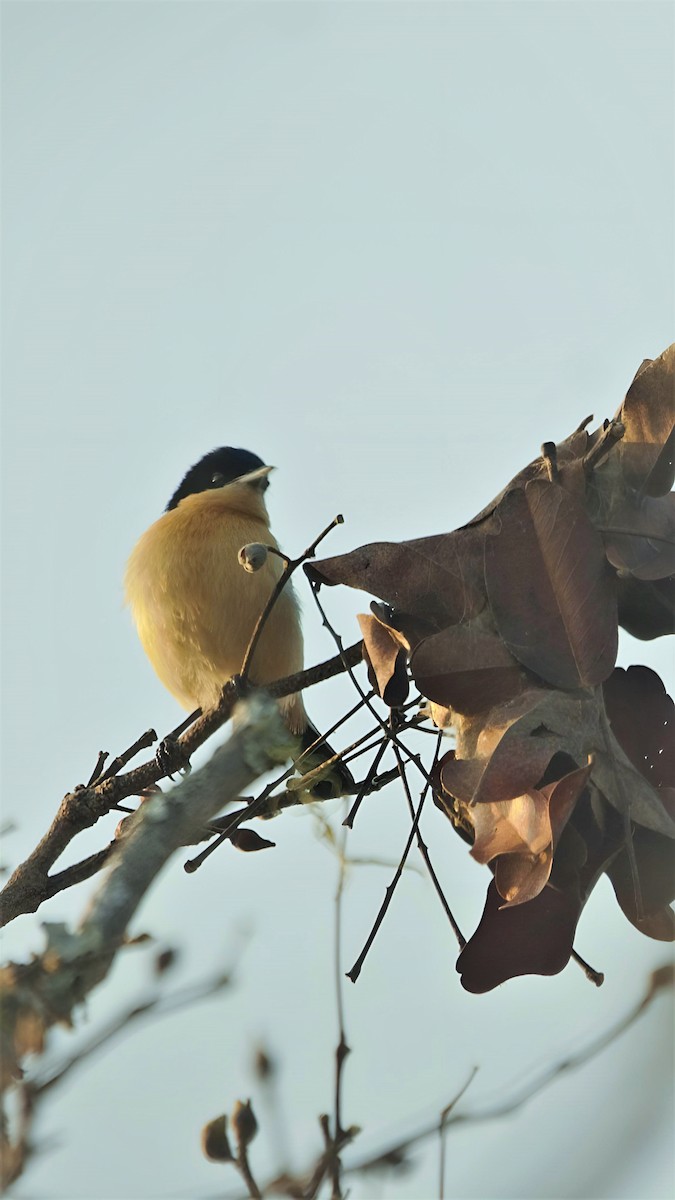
31,884
33,1091
46,991
662,979
394,1157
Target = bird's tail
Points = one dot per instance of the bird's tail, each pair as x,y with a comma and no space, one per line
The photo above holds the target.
314,752
336,780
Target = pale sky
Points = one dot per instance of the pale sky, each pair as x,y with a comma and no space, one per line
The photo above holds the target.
391,248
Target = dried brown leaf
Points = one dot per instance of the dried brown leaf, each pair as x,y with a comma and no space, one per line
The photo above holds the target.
525,939
647,607
466,667
647,450
649,551
628,791
551,593
642,716
386,659
511,826
656,872
437,579
520,878
521,834
636,777
569,455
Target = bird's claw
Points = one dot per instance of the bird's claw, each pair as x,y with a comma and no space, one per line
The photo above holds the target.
170,757
238,687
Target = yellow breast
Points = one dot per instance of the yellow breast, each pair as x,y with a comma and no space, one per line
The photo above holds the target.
195,607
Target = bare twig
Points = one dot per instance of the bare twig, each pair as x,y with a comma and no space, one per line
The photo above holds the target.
442,1127
596,977
100,763
423,848
386,725
244,1168
270,802
126,1021
355,971
342,1047
146,740
291,565
364,788
85,869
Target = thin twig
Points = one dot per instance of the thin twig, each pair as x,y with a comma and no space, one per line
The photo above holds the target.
385,725
96,773
291,565
146,740
32,1091
269,803
442,1126
78,872
364,788
355,971
342,1050
244,1168
423,848
125,1022
596,977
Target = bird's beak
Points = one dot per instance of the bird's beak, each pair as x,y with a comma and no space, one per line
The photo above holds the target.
257,478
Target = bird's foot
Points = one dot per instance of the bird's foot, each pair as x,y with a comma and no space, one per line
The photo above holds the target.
237,688
170,757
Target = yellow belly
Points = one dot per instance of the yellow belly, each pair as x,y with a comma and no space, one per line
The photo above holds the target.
195,607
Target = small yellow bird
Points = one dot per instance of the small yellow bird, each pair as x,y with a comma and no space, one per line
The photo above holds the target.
195,607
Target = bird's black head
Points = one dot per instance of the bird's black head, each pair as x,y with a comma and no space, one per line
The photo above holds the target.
216,469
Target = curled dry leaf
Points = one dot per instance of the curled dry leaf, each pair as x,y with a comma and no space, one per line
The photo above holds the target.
647,451
521,877
510,624
386,660
521,834
511,826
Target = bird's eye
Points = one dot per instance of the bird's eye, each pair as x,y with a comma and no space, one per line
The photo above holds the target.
217,480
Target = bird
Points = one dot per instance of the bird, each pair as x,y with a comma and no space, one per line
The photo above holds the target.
195,607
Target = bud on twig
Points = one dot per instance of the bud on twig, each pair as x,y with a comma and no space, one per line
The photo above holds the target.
263,1065
253,556
215,1144
244,1123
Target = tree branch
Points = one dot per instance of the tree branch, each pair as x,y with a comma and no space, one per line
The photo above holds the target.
31,884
